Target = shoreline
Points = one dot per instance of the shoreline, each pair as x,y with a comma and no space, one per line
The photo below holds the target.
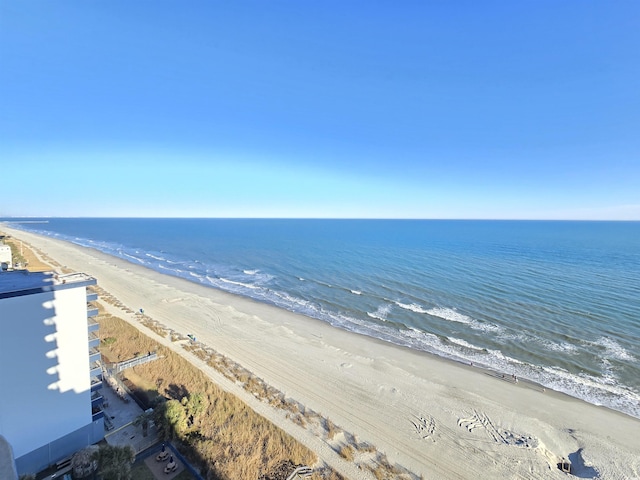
417,408
232,298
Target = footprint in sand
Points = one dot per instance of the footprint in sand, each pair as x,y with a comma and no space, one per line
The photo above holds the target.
480,420
346,365
172,300
424,426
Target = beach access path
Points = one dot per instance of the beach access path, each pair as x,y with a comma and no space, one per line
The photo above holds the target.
437,418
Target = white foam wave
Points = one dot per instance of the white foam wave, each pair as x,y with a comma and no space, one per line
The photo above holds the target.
504,359
240,284
563,347
356,292
453,316
137,259
172,271
292,301
464,343
155,257
449,314
381,313
414,307
257,277
604,390
596,390
614,349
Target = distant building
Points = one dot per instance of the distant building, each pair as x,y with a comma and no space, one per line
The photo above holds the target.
50,372
6,261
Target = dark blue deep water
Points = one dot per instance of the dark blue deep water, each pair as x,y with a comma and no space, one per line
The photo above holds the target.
554,302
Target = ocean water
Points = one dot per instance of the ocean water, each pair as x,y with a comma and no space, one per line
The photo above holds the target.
557,303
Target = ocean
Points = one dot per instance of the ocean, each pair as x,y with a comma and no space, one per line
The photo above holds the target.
557,303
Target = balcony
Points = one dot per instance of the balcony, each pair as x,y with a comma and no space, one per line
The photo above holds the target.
96,383
96,399
93,325
91,296
95,369
96,414
92,312
94,340
94,355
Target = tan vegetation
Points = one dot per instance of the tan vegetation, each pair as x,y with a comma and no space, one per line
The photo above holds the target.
346,452
230,440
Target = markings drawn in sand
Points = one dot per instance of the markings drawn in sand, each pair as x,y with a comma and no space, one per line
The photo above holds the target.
425,426
499,435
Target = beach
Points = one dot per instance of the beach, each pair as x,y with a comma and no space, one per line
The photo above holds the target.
437,418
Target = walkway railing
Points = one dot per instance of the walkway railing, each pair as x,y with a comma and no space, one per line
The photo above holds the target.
300,472
133,362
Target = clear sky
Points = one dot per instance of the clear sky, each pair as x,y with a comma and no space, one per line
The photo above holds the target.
425,109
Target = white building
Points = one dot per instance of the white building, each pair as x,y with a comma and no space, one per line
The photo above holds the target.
5,257
50,374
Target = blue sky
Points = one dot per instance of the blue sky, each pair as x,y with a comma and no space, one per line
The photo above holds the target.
430,109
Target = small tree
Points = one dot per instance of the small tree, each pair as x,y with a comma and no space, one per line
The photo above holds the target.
176,419
114,463
84,462
143,420
171,419
195,405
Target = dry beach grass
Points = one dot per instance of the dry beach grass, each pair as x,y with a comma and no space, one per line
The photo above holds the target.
232,441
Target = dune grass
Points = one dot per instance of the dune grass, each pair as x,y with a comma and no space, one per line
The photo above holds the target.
232,441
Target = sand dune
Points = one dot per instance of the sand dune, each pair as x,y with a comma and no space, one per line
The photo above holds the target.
437,418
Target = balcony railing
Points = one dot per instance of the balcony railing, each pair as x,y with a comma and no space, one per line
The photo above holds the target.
94,340
96,383
96,399
95,369
93,325
94,355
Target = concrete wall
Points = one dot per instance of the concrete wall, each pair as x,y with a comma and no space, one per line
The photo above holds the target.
61,448
44,372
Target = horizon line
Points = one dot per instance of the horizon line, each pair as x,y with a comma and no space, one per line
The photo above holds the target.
27,217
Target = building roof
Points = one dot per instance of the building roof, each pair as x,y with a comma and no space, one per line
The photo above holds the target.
23,282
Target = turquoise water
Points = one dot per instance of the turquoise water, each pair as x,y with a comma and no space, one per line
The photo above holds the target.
554,302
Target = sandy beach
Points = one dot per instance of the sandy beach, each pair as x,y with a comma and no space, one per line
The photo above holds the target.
437,418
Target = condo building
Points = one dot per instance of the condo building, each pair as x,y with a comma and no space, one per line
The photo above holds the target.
50,369
6,262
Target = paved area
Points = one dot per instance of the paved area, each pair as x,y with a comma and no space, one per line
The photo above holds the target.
121,413
157,468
